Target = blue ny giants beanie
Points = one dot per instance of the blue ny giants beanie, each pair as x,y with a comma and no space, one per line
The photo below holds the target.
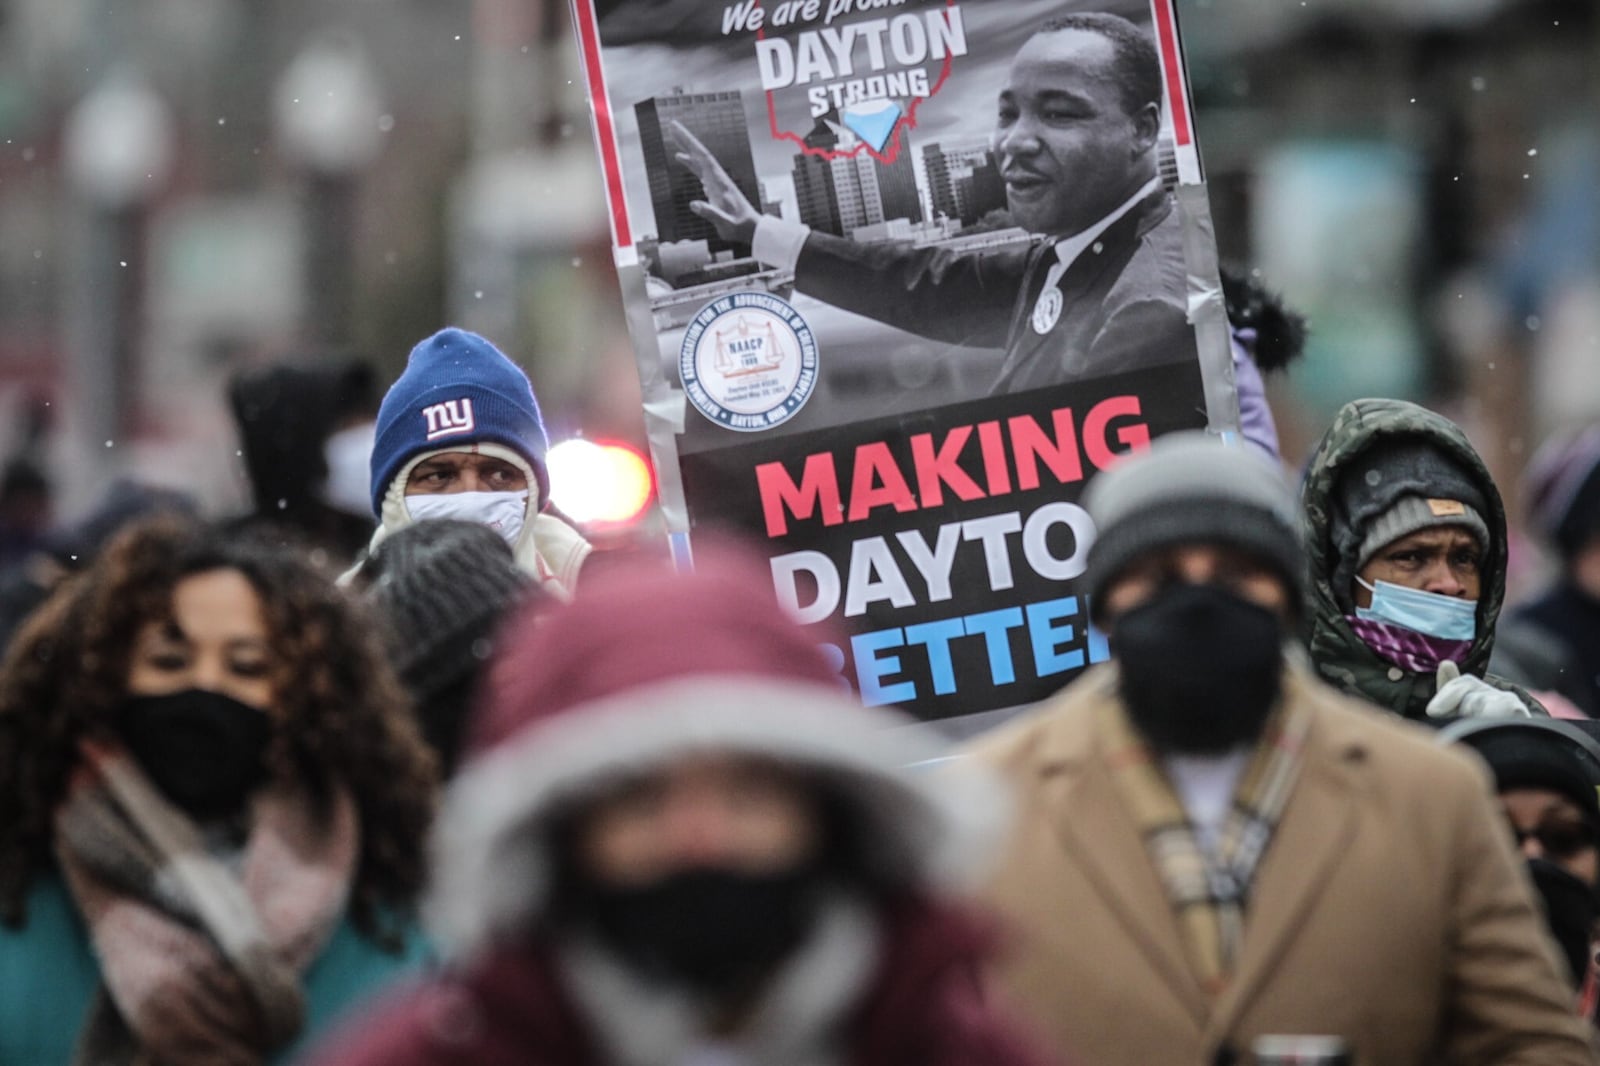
457,389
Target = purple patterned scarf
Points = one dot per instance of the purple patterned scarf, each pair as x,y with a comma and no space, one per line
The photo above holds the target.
1406,648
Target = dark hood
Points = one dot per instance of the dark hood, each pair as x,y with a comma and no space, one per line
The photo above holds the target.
1339,655
285,413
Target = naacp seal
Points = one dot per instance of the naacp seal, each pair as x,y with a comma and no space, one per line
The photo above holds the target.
748,361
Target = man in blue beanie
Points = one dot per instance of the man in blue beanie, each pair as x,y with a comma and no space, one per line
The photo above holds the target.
459,435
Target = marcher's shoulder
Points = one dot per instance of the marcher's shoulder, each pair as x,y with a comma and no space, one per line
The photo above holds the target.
1167,227
1006,747
1059,724
399,1030
1155,271
1529,700
1408,755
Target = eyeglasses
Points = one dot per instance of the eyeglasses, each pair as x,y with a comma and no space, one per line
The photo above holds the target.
1558,840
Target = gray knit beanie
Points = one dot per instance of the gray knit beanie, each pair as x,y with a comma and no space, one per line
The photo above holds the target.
442,586
1396,487
1191,488
1411,514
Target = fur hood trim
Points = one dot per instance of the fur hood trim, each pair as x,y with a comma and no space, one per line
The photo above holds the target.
929,831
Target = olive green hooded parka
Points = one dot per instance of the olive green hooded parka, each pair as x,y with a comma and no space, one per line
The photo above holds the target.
1340,657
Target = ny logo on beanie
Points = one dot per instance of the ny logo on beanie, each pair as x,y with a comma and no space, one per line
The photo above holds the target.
465,389
449,419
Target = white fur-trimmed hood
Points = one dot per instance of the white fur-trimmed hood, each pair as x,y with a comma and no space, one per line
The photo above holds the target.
491,873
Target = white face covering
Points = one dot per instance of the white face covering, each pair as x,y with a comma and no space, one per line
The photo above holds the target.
348,454
503,512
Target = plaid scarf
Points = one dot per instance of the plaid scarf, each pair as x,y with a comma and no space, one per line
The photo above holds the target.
198,963
1406,648
1208,890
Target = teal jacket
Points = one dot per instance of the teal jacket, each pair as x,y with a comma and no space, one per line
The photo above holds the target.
48,976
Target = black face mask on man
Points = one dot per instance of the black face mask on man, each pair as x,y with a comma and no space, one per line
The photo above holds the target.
203,750
710,929
1200,667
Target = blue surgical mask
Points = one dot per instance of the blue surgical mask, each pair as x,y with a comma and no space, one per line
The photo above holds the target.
1445,617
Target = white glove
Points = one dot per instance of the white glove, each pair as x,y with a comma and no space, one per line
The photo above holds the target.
1467,696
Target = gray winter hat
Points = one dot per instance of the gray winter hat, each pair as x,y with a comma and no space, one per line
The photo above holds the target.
1191,488
1376,480
442,587
1411,514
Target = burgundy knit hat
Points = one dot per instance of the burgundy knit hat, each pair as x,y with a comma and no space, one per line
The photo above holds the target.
647,666
645,625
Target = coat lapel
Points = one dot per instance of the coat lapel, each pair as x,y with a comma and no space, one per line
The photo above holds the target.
1117,244
1316,829
1102,841
1081,288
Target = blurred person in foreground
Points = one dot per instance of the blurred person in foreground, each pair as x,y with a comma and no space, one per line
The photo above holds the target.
211,808
1213,846
306,437
678,839
459,435
1562,626
442,588
1405,534
1547,774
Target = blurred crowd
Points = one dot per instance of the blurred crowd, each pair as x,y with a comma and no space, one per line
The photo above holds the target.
393,765
396,768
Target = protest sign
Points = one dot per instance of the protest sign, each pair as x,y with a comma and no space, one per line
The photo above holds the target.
902,276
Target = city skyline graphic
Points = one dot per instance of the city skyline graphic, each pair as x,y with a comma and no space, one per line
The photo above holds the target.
829,185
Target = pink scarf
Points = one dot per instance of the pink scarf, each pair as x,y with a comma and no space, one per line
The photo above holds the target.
199,962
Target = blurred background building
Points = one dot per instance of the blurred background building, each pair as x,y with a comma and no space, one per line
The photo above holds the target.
189,188
1422,179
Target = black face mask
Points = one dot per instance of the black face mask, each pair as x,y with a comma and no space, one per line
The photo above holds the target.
712,930
1569,910
1201,668
203,750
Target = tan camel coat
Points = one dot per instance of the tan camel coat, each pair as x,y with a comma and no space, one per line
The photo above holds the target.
1389,908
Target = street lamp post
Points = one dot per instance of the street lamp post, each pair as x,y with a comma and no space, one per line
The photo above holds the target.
328,115
118,146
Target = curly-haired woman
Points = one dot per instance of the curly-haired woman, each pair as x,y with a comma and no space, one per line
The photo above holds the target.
211,809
